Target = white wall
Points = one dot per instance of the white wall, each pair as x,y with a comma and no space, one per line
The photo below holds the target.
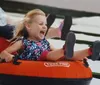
82,5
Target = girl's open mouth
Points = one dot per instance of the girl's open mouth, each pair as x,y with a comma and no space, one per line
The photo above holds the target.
42,32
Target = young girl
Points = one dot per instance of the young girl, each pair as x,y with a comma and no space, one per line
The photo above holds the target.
30,35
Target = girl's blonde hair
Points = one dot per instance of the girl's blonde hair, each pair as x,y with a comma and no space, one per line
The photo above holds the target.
21,30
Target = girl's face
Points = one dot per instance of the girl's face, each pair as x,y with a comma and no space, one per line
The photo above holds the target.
37,28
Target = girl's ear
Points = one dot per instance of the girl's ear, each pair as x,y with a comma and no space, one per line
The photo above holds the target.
27,25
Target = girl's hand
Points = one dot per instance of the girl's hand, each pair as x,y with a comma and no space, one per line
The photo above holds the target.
6,56
9,58
86,58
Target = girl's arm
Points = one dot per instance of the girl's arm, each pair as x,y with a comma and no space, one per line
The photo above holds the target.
14,47
6,54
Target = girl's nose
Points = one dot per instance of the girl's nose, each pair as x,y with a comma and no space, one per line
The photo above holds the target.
44,27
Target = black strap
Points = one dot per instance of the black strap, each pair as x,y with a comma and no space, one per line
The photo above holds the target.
66,27
15,60
50,20
85,63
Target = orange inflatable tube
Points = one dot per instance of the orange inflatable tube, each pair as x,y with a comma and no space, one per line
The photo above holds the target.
59,69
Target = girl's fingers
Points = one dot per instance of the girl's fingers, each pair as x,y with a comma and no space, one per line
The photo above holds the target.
8,59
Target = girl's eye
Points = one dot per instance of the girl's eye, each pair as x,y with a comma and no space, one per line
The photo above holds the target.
40,23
